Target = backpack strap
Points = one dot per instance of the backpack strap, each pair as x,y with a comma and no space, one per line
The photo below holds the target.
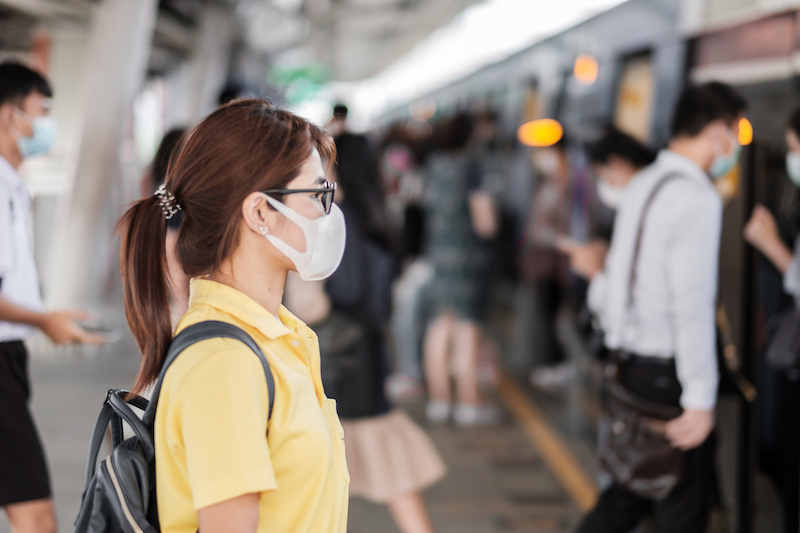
209,329
116,410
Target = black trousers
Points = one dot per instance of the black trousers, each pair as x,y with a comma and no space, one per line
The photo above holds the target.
549,294
687,508
778,430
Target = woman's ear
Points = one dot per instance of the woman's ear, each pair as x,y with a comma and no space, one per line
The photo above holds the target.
255,213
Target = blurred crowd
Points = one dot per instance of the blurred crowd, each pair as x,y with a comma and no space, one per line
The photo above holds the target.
448,263
576,257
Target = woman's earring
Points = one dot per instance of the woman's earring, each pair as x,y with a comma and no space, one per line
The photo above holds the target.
263,230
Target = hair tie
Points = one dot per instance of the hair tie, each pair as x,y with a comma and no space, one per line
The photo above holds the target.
167,201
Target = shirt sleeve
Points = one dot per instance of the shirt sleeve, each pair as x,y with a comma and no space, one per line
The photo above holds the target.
218,416
595,299
6,234
692,268
791,278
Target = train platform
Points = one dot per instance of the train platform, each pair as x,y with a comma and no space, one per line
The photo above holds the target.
534,472
497,479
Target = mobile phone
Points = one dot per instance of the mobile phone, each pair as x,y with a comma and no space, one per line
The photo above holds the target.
108,333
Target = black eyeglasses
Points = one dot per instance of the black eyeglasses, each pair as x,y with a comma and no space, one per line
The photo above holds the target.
324,193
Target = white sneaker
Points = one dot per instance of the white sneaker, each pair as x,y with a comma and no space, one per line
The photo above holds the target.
404,389
438,412
472,415
553,376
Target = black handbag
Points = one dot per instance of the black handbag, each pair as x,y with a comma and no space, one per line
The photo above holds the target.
633,446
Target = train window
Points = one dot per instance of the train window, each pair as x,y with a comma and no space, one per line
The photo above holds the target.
635,97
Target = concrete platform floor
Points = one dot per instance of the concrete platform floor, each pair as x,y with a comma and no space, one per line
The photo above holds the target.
509,478
497,480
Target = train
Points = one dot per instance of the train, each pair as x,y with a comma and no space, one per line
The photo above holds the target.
627,66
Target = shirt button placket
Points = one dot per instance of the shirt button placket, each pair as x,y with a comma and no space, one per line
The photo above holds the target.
299,348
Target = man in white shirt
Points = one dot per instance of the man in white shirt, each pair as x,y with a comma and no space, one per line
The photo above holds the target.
25,131
659,313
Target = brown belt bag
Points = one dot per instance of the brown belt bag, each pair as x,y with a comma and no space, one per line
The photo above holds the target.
634,449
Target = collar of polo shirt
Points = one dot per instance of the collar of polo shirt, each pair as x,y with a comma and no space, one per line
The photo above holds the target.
238,304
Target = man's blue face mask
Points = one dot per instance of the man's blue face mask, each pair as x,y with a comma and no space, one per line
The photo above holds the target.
42,139
723,163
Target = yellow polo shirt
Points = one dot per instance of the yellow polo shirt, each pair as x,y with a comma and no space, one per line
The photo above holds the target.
211,436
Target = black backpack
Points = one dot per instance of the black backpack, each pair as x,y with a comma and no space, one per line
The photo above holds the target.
120,493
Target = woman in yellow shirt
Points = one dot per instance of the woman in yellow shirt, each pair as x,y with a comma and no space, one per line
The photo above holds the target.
249,189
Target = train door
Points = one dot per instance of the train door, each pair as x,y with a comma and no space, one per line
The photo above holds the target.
750,294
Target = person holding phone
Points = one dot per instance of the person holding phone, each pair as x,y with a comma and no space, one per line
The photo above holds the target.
26,130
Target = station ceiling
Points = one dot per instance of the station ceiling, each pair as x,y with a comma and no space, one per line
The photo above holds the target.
359,38
355,39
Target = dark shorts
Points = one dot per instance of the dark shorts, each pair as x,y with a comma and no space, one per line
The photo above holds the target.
23,470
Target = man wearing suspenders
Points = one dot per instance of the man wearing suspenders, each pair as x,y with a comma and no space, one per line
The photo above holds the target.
26,130
658,314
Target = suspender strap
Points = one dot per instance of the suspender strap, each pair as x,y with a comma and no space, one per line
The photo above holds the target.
638,244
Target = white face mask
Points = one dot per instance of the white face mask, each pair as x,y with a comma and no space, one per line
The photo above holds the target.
325,239
546,162
610,195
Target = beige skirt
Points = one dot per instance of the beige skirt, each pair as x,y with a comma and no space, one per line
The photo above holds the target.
389,456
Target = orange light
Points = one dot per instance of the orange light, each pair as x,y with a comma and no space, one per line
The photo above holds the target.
540,133
745,132
586,69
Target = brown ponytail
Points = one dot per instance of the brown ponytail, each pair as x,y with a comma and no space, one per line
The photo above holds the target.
143,261
245,146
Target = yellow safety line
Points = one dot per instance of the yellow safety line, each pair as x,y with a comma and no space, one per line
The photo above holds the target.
570,474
